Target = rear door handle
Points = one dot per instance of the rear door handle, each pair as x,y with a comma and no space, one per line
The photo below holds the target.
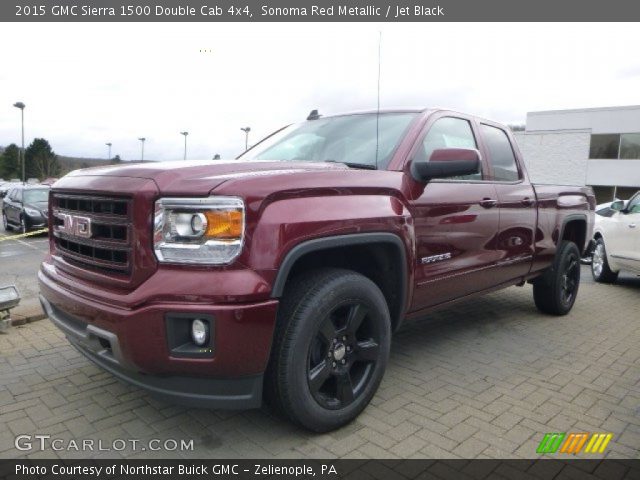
488,202
526,201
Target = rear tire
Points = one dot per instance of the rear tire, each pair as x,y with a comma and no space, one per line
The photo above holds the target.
555,292
330,350
600,269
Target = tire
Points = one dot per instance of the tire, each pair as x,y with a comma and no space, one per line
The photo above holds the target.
600,269
331,348
556,291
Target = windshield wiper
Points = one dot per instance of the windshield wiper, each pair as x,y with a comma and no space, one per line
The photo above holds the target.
362,166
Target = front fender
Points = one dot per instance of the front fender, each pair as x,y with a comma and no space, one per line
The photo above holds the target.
289,222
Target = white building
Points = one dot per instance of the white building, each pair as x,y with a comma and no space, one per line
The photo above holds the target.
591,146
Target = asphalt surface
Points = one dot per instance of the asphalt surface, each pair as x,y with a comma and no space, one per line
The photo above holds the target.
20,260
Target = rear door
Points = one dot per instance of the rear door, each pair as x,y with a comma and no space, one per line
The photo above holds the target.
12,206
516,202
455,220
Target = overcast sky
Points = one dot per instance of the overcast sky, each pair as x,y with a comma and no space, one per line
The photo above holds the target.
87,84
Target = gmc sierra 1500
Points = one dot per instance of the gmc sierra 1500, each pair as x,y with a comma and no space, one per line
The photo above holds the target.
286,270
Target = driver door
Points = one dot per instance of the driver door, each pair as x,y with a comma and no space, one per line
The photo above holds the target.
456,221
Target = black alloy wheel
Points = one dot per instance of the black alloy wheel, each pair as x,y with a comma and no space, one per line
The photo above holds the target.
343,355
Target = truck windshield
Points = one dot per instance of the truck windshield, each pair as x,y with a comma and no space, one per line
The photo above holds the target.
349,139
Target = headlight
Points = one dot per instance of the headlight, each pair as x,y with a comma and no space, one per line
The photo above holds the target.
198,230
31,212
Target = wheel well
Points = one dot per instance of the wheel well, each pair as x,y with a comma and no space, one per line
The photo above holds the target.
383,263
575,231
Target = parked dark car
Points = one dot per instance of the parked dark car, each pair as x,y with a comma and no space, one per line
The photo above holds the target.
25,207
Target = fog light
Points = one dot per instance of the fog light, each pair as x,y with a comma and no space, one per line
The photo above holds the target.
199,332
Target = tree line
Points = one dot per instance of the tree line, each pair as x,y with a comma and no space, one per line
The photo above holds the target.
40,161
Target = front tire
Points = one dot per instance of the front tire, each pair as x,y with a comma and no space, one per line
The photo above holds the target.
331,348
555,292
600,269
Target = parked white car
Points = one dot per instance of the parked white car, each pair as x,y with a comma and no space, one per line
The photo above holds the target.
616,239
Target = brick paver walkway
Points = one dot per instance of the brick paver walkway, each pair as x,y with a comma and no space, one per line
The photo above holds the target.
487,378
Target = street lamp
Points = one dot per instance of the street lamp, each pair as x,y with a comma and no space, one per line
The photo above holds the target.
185,143
21,106
142,139
246,131
109,155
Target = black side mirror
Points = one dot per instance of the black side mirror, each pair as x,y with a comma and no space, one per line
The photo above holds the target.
447,162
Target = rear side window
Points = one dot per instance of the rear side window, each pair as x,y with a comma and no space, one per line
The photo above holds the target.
501,156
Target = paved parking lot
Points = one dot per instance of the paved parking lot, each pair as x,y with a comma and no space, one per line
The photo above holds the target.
19,262
485,378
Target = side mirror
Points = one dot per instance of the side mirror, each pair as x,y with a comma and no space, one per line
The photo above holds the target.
618,205
447,162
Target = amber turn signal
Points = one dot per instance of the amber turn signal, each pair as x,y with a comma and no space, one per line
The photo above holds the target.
224,224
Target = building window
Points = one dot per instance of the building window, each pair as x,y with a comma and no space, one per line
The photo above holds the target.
630,146
604,146
615,146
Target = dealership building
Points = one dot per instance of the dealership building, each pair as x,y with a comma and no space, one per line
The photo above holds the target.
599,147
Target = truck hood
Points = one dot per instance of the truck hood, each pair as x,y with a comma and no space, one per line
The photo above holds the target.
201,177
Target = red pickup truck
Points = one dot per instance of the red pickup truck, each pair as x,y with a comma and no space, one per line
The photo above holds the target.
283,273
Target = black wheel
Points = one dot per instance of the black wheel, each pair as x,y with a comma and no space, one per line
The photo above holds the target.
5,223
555,292
600,266
330,350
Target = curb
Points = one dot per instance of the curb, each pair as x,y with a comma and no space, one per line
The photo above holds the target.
28,319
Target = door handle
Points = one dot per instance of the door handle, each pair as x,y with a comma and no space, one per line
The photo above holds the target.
632,225
488,202
526,201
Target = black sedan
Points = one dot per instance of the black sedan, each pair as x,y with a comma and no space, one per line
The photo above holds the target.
25,207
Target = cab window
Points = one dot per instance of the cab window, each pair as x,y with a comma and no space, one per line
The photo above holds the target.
501,156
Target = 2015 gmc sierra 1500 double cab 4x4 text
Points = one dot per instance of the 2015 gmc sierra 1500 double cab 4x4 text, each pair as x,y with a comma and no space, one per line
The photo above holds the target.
284,272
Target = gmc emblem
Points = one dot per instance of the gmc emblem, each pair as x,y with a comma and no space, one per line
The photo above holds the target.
75,225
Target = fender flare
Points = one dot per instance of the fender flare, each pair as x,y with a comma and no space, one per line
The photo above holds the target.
337,241
571,218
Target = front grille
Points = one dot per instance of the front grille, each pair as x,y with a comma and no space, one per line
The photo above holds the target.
93,232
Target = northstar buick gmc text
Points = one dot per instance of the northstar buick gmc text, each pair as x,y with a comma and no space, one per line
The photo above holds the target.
283,273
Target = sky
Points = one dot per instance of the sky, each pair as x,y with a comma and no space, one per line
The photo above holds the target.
88,84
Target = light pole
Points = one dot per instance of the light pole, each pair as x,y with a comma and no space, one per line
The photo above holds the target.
21,106
185,143
142,139
246,131
109,155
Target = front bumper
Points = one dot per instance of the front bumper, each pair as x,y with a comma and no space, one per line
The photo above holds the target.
35,222
237,393
132,344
